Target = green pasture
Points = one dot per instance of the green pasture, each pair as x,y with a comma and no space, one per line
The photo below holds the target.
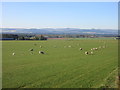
61,66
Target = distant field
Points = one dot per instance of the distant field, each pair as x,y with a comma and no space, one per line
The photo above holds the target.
61,66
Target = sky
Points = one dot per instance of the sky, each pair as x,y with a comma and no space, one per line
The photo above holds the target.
83,15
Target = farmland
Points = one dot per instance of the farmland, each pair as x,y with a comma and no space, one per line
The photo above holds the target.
61,66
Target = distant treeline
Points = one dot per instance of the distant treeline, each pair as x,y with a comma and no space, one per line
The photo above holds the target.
22,37
72,36
45,37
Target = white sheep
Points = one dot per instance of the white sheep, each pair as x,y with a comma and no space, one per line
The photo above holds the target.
40,46
41,52
86,53
31,50
81,49
13,54
96,48
91,52
69,46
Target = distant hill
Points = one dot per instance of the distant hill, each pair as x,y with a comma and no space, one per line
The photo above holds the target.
58,31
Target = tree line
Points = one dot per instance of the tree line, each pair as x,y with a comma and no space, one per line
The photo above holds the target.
45,37
23,37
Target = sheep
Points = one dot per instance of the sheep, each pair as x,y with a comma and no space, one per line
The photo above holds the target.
96,48
40,46
41,52
86,53
69,46
91,52
13,54
91,49
81,49
31,50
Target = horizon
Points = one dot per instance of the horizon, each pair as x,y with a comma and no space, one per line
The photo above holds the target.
57,28
82,15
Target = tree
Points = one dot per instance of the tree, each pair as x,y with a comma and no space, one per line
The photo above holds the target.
36,38
43,38
21,38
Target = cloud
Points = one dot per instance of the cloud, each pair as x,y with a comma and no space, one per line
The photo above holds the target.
9,31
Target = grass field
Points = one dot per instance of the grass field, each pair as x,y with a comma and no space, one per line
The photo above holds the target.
60,67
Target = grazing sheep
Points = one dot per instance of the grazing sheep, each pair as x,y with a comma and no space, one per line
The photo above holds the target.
86,53
13,54
41,52
81,49
40,46
31,50
91,52
69,46
96,48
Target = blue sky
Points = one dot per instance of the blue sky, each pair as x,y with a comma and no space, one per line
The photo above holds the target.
99,15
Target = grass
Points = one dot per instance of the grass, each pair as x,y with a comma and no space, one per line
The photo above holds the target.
60,67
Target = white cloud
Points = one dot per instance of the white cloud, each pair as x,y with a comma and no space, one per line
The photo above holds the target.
9,31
